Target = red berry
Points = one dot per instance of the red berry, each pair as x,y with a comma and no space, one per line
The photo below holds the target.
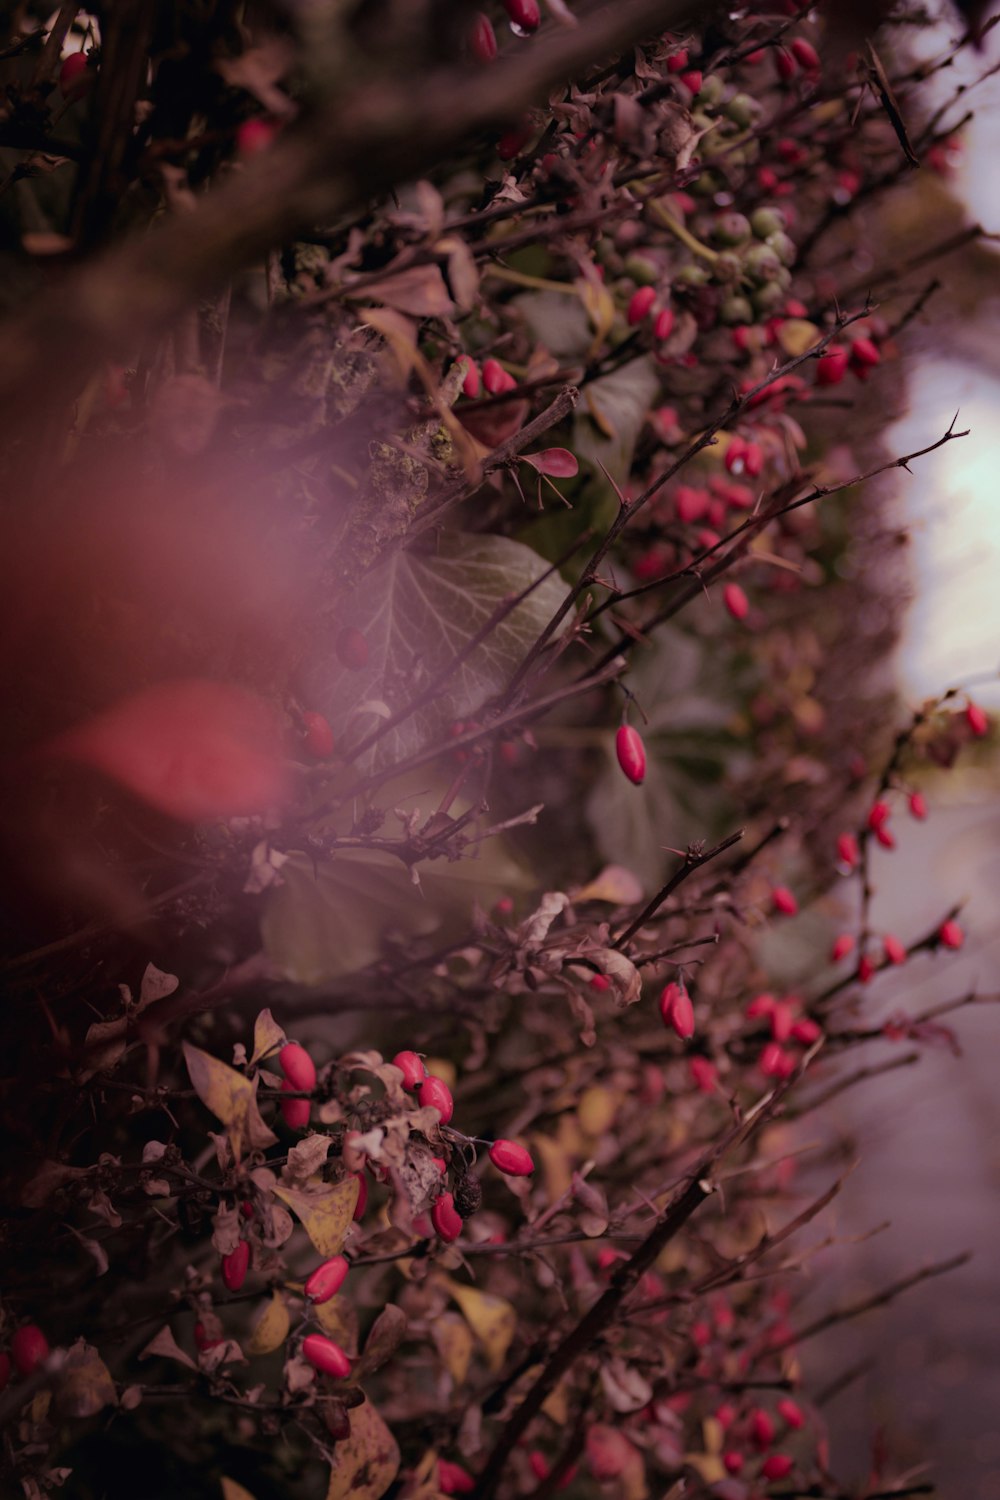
601,983
326,1356
677,61
885,836
664,324
511,144
295,1112
483,42
831,367
732,1462
864,353
362,1203
512,1159
753,460
790,1412
761,1428
298,1067
894,950
317,736
951,935
452,1479
640,305
29,1347
234,1266
446,1219
692,80
735,455
75,77
775,1062
736,601
918,805
690,504
783,901
327,1279
254,136
847,850
777,1466
785,64
496,379
866,968
524,16
977,720
470,385
806,1031
805,54
878,815
760,1005
782,1017
436,1094
352,649
677,1011
412,1068
704,1075
631,753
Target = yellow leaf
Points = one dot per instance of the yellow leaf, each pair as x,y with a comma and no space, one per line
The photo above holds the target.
325,1211
366,1462
491,1318
597,1109
233,1491
231,1097
796,335
709,1466
267,1035
713,1434
615,885
556,1405
600,307
338,1319
556,1167
454,1341
441,1068
271,1328
84,1385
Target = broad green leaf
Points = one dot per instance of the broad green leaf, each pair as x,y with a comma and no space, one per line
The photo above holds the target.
417,611
231,1097
271,1328
609,419
324,1209
367,1462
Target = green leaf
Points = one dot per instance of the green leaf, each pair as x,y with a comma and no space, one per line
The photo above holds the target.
609,419
417,611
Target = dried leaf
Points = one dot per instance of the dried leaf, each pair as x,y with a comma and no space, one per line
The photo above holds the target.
84,1385
226,1224
325,1211
271,1328
420,290
155,985
267,1036
165,1346
401,336
231,1097
796,335
305,1159
453,1338
463,275
615,885
233,1491
491,1318
626,981
338,1318
558,462
387,1333
366,1462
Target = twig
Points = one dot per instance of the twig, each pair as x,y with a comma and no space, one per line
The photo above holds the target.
693,860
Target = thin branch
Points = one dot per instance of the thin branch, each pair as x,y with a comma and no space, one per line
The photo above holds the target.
693,860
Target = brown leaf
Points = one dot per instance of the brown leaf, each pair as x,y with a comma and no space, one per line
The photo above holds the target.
420,290
387,1333
366,1462
305,1159
84,1385
165,1346
267,1037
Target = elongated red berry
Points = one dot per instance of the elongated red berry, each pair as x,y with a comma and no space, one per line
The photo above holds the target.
362,1203
806,1031
452,1479
254,136
777,1466
445,1217
297,1066
235,1265
434,1093
831,367
866,968
847,850
317,736
512,1159
690,503
704,1074
483,42
894,950
412,1068
805,54
977,720
733,1462
677,61
760,1005
327,1279
28,1348
885,836
496,379
785,64
783,901
878,814
843,945
736,601
663,324
352,649
782,1017
950,934
294,1112
640,305
324,1355
918,805
692,80
753,460
677,1011
864,353
524,16
791,1413
631,753
471,383
775,1062
74,76
761,1427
